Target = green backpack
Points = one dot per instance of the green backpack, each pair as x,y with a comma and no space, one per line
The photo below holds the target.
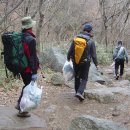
14,56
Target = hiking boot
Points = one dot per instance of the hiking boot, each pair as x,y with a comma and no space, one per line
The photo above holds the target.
17,107
23,114
117,77
80,96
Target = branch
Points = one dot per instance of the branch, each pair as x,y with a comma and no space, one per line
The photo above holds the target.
127,16
34,14
3,30
8,13
53,14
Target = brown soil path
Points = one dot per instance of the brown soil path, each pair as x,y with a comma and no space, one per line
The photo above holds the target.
59,106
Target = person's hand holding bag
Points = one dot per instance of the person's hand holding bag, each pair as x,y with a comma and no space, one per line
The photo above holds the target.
34,77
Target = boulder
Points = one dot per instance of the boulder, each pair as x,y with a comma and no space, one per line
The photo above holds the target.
10,121
100,95
106,95
57,79
91,123
95,75
54,58
122,83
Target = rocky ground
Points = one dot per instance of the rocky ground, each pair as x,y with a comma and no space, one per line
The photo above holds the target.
59,105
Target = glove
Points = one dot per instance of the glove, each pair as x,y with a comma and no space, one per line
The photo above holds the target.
34,77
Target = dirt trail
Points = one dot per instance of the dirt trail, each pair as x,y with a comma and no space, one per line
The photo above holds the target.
59,106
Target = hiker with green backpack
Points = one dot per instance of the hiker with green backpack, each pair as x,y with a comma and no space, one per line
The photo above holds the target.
81,51
120,55
20,55
30,72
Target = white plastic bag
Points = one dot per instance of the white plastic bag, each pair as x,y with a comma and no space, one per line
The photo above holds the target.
68,71
31,97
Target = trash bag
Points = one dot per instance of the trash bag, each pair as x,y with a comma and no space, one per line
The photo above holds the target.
68,71
31,97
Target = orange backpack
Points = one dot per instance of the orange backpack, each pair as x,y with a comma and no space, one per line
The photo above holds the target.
79,47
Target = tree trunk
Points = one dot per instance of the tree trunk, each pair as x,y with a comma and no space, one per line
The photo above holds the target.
10,11
104,18
39,27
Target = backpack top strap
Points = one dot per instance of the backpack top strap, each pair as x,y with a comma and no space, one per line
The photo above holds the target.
120,51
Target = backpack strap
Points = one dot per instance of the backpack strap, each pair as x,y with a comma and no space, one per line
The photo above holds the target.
120,51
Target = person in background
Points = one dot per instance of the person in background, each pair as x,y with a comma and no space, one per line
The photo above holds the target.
119,56
81,69
30,72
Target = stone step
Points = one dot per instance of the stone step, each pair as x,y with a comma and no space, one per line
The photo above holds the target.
10,121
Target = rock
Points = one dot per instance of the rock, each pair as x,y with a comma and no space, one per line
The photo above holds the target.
98,85
54,58
122,83
91,123
123,106
106,95
96,76
10,121
57,79
119,90
70,84
100,95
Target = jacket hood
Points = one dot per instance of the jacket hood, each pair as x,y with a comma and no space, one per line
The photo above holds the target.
84,35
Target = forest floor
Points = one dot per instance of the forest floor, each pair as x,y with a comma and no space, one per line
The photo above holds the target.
59,104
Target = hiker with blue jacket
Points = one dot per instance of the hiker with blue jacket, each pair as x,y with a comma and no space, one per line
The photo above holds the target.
30,72
81,51
120,55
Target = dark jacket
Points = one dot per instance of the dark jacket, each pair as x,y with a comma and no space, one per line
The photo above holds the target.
29,43
90,49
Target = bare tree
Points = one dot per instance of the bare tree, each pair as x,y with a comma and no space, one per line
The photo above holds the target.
104,18
39,28
59,20
10,11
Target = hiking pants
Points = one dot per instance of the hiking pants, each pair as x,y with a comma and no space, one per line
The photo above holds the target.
26,77
119,63
81,76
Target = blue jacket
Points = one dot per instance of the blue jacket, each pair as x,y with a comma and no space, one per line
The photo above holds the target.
90,49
